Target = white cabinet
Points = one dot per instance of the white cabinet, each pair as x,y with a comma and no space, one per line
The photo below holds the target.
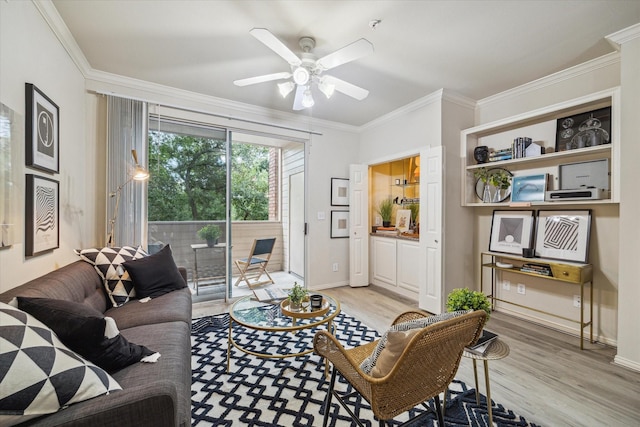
395,265
540,125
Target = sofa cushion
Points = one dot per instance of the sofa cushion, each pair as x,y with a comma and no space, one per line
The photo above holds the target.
369,363
171,307
108,264
155,275
39,373
86,331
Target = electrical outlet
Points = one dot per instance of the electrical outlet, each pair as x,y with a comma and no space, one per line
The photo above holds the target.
506,285
321,216
522,289
335,266
576,301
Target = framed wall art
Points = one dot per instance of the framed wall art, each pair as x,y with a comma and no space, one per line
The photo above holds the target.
584,130
511,231
403,219
564,235
529,188
42,219
339,192
339,224
42,131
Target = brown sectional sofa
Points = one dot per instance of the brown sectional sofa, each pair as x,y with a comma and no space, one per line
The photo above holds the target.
153,394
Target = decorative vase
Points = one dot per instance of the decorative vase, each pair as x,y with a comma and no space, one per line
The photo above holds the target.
294,306
212,242
481,154
486,195
497,196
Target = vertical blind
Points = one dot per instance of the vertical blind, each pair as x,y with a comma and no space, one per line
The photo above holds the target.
126,131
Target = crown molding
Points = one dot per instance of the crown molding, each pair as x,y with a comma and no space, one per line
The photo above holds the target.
619,38
555,78
51,16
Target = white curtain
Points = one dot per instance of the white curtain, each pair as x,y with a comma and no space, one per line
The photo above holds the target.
127,129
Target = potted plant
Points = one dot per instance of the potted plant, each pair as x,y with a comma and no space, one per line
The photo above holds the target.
385,210
415,210
483,175
296,295
466,299
501,180
210,233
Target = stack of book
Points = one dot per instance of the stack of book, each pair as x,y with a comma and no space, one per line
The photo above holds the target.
497,155
483,343
388,231
270,294
542,269
519,147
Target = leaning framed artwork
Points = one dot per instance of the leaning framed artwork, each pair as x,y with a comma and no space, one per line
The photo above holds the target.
584,130
339,192
511,231
529,188
403,219
564,235
42,215
339,224
42,131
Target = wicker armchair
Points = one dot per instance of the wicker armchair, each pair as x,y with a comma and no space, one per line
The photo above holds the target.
424,370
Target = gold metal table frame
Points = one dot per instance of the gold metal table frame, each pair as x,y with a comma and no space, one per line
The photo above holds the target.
253,314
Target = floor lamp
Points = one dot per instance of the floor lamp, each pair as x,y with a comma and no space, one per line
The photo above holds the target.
139,174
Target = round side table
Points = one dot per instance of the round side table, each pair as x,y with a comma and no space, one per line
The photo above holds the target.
497,350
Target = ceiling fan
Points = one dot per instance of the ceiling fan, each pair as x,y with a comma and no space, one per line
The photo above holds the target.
307,70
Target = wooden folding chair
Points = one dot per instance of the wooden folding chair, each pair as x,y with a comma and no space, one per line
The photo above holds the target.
254,266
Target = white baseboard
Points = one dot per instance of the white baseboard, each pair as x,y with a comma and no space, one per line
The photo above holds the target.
626,363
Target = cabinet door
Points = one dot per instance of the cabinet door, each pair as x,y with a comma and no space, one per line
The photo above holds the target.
384,260
408,265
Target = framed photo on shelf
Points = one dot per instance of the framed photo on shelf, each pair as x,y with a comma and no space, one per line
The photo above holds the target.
339,224
339,192
42,220
511,231
42,131
563,235
403,218
529,188
584,130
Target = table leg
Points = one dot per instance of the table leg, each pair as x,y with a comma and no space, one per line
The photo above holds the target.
489,404
475,376
229,346
195,270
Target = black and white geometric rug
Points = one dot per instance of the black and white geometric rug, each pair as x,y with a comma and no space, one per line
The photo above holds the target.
290,392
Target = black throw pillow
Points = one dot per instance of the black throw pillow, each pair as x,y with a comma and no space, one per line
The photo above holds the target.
82,329
155,275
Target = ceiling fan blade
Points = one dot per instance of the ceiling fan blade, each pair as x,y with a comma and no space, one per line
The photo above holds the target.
349,53
347,88
297,102
273,43
261,79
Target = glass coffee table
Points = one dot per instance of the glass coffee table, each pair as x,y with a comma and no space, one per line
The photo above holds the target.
269,317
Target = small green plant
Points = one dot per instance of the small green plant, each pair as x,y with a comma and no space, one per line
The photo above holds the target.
385,210
482,174
500,179
297,294
209,232
415,210
466,299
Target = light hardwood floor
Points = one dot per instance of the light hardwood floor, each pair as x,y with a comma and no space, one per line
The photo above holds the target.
546,378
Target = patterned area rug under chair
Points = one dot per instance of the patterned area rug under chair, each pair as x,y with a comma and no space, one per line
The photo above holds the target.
290,392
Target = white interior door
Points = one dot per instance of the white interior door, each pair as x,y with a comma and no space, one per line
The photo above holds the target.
296,224
358,226
430,296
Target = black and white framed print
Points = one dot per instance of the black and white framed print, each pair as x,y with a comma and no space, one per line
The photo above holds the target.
42,220
339,224
584,130
339,192
511,231
564,235
42,131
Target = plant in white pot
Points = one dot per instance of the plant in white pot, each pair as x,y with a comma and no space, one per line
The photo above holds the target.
210,233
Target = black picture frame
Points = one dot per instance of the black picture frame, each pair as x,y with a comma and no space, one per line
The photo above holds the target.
339,224
339,192
42,215
511,231
584,130
42,131
563,234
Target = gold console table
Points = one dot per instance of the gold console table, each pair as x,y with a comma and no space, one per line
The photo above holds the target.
567,272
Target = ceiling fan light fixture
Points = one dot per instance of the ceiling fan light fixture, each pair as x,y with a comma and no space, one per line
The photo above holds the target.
327,88
286,88
307,99
301,75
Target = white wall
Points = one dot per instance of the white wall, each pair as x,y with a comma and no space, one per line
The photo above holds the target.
597,75
29,52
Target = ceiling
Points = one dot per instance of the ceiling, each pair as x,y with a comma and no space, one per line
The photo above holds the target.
475,48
